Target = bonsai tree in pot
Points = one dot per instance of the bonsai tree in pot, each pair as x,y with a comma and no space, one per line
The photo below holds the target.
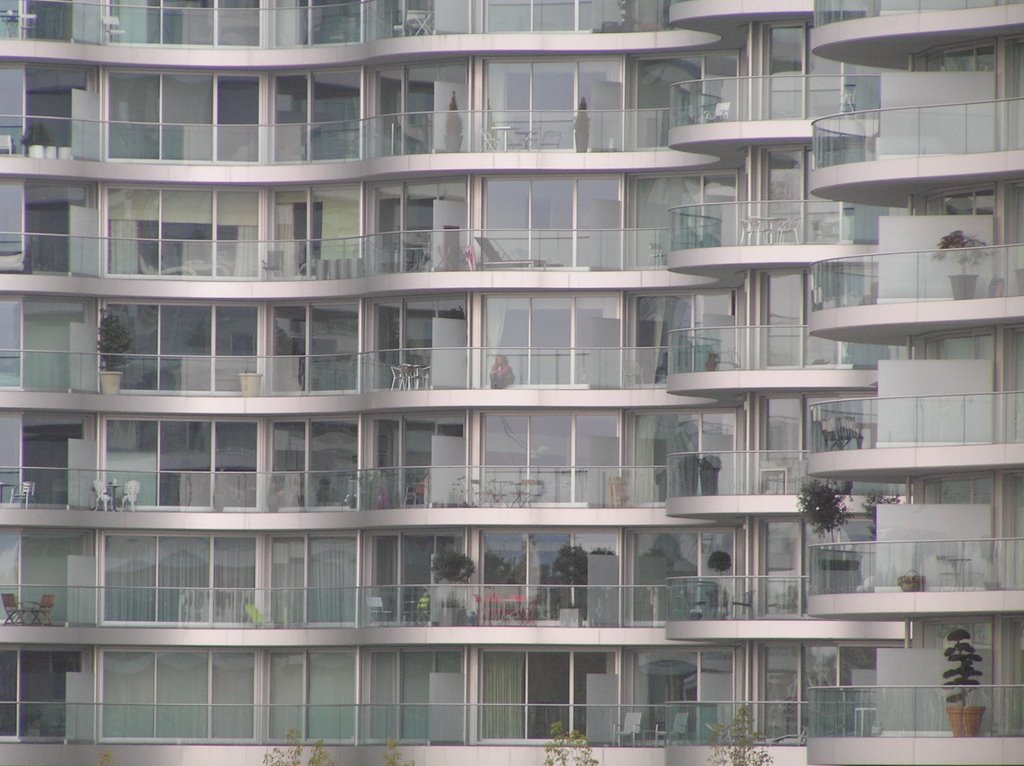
581,127
453,127
570,567
453,567
967,250
964,718
113,343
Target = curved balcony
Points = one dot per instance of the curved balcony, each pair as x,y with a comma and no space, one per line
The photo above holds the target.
905,150
886,33
367,606
337,23
412,488
875,295
892,436
721,114
722,17
409,252
418,369
710,359
393,135
917,577
695,723
726,236
197,725
909,725
735,597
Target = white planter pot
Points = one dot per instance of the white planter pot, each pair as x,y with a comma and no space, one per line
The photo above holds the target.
250,383
110,382
36,151
50,152
64,153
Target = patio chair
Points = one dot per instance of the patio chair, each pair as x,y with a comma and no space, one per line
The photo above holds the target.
103,499
132,487
15,611
39,611
630,728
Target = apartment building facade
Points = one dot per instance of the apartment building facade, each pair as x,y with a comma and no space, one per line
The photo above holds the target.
583,291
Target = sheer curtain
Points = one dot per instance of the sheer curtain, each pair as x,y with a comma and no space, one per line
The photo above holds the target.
128,692
181,695
503,695
184,579
287,575
234,577
232,712
332,695
332,570
130,579
287,684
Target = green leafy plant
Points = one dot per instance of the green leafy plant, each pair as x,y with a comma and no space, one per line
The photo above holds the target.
567,749
393,756
719,561
738,743
963,656
113,342
450,565
823,506
967,248
291,754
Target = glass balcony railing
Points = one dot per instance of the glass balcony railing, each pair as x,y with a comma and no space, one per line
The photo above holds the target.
917,565
762,472
334,23
770,97
411,487
776,723
311,374
709,349
735,597
917,421
396,606
411,723
774,222
611,130
344,258
829,11
909,711
941,129
991,271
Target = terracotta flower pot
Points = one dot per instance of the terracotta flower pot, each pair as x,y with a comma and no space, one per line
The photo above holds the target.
965,721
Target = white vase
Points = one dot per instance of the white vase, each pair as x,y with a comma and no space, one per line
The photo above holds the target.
36,151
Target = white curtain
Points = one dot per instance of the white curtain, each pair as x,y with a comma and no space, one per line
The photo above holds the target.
130,578
287,579
332,695
181,695
128,693
332,569
184,579
234,577
232,712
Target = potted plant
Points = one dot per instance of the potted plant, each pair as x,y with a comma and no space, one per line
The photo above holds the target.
452,567
720,562
36,139
964,718
453,127
570,567
581,127
709,466
249,381
113,343
967,250
823,506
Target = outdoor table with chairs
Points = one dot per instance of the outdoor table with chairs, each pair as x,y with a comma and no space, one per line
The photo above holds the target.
29,612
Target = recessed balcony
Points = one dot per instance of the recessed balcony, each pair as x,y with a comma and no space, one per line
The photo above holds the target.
735,597
883,155
401,252
334,23
910,725
718,114
920,577
777,723
719,359
887,33
396,370
872,296
727,236
433,725
891,436
411,488
393,135
367,606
